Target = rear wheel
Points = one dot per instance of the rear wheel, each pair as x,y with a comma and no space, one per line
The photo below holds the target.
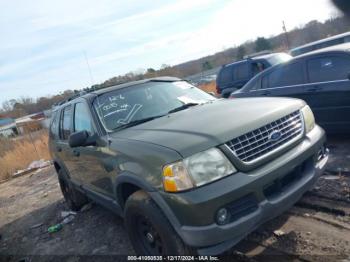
149,230
74,199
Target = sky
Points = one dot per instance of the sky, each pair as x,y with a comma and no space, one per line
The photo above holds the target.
45,45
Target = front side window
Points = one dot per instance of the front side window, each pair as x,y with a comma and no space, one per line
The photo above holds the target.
82,119
329,68
286,75
122,106
65,123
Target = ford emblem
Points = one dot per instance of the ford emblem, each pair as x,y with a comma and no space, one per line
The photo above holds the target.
275,135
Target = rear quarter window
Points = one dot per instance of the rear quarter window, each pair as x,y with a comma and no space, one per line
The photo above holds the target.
54,131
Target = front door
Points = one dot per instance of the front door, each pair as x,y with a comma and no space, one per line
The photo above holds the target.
284,81
91,163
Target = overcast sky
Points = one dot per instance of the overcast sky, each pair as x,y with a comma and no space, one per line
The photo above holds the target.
43,42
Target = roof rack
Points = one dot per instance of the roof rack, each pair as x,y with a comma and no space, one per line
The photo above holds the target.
264,52
69,99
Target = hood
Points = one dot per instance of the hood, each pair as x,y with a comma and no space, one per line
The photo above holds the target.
208,125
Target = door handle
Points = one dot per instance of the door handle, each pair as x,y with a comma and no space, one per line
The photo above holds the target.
59,149
313,89
76,153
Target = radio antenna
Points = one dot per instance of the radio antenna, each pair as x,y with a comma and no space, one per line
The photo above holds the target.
97,97
89,68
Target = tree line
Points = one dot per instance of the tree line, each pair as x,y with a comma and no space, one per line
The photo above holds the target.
312,31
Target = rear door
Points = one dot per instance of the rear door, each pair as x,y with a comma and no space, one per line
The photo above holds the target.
287,80
328,90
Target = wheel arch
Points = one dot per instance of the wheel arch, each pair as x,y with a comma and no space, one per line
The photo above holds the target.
127,184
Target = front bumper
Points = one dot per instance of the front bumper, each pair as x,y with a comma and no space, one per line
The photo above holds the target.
196,209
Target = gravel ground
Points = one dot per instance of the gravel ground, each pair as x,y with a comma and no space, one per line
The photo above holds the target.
317,228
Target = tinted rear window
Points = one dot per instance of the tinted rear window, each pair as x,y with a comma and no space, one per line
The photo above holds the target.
226,75
328,68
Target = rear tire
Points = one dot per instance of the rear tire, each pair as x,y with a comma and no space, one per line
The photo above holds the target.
149,230
74,199
225,95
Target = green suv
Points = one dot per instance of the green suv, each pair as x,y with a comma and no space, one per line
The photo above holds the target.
189,173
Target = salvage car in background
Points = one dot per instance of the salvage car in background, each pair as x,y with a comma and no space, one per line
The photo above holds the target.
321,78
235,75
323,43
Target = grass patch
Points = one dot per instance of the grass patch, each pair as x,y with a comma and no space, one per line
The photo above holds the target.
18,153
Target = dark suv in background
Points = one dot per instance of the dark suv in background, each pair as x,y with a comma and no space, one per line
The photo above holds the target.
320,78
235,75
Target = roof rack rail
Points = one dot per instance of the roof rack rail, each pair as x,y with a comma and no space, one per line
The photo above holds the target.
69,99
264,52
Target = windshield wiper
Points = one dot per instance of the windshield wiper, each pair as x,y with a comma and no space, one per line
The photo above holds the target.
138,121
184,106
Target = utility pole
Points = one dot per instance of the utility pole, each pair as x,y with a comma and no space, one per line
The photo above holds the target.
286,33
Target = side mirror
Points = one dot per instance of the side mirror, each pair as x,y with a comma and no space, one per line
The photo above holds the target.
81,138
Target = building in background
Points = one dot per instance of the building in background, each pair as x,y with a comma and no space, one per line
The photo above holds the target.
8,127
24,125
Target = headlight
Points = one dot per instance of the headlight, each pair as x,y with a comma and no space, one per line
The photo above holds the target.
309,118
196,170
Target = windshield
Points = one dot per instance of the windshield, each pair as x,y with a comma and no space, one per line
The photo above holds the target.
122,106
278,58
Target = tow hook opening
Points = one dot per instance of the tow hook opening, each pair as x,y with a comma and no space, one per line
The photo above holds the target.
322,153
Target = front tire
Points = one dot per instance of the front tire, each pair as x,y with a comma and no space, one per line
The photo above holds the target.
149,230
74,199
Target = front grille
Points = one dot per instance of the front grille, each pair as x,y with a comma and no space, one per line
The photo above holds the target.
259,142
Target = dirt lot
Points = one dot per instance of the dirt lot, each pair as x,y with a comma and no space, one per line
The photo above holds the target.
317,228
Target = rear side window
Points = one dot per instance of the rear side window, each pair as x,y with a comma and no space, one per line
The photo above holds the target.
226,75
65,124
82,119
329,68
242,71
291,74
